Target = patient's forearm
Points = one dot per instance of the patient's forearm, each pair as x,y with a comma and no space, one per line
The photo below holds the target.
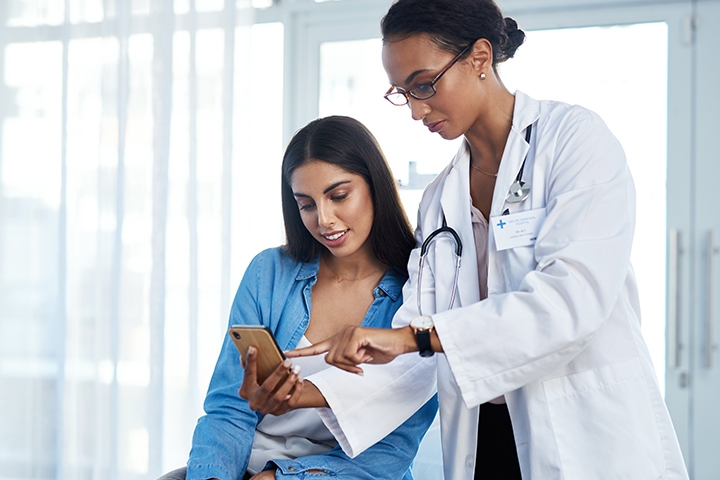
311,397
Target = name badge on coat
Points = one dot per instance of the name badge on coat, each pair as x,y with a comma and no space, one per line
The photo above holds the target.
517,229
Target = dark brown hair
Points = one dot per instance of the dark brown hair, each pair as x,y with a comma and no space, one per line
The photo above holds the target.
345,142
454,24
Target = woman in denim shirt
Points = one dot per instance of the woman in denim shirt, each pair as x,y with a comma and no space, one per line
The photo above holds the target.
344,259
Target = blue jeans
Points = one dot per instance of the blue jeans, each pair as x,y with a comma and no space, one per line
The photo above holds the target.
179,474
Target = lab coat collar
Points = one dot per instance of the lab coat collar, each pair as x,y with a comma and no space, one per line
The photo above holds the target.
456,190
525,113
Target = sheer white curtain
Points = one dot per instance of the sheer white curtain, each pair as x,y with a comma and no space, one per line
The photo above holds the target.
140,143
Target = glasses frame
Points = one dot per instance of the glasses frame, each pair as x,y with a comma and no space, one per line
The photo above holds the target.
409,92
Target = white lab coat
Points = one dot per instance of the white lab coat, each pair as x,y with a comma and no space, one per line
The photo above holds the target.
559,335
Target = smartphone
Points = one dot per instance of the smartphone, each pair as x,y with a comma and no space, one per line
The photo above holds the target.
270,356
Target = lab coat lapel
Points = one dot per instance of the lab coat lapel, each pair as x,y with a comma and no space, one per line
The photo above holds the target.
455,202
526,112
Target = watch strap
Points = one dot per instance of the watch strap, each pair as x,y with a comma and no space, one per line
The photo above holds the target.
422,337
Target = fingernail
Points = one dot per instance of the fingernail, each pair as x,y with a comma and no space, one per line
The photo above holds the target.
251,350
287,363
362,374
296,369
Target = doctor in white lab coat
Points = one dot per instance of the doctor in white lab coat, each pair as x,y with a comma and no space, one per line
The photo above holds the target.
546,316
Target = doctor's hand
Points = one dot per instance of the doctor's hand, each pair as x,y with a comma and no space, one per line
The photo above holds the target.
279,393
353,346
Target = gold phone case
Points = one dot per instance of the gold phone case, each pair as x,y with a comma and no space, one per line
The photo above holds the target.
269,353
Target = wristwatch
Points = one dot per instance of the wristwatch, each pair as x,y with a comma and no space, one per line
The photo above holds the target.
422,326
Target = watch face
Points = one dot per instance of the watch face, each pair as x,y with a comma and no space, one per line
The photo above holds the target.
422,323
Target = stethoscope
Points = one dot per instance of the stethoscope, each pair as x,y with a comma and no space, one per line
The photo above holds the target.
519,190
423,253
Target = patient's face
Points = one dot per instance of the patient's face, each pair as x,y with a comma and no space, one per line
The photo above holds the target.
335,206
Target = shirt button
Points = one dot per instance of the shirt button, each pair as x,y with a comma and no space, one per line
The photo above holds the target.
292,469
469,461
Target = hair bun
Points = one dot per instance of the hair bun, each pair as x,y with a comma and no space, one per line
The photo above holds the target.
515,38
510,25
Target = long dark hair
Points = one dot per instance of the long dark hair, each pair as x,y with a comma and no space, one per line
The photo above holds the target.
454,24
345,142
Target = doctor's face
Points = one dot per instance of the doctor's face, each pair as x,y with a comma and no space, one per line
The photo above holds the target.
456,105
336,207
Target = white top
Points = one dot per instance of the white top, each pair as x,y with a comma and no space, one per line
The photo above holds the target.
480,233
296,434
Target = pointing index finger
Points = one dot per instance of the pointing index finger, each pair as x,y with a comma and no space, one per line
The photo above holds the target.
316,349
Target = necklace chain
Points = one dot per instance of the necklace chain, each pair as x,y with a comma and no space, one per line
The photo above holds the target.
340,280
483,171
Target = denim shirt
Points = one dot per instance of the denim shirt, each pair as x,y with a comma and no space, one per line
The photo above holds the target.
276,292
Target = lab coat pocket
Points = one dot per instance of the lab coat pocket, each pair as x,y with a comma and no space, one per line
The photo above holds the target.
604,424
516,263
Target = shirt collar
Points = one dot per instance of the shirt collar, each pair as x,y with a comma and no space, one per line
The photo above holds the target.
309,269
392,283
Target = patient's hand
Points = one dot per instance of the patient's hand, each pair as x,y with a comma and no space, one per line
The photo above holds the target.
280,392
264,475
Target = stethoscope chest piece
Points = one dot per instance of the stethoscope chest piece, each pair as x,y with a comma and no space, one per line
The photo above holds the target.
518,192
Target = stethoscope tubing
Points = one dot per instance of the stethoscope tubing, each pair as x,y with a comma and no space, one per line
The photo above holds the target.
423,253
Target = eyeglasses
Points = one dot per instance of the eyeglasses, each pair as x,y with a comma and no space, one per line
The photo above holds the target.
399,97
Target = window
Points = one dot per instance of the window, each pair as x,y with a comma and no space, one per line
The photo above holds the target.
126,172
